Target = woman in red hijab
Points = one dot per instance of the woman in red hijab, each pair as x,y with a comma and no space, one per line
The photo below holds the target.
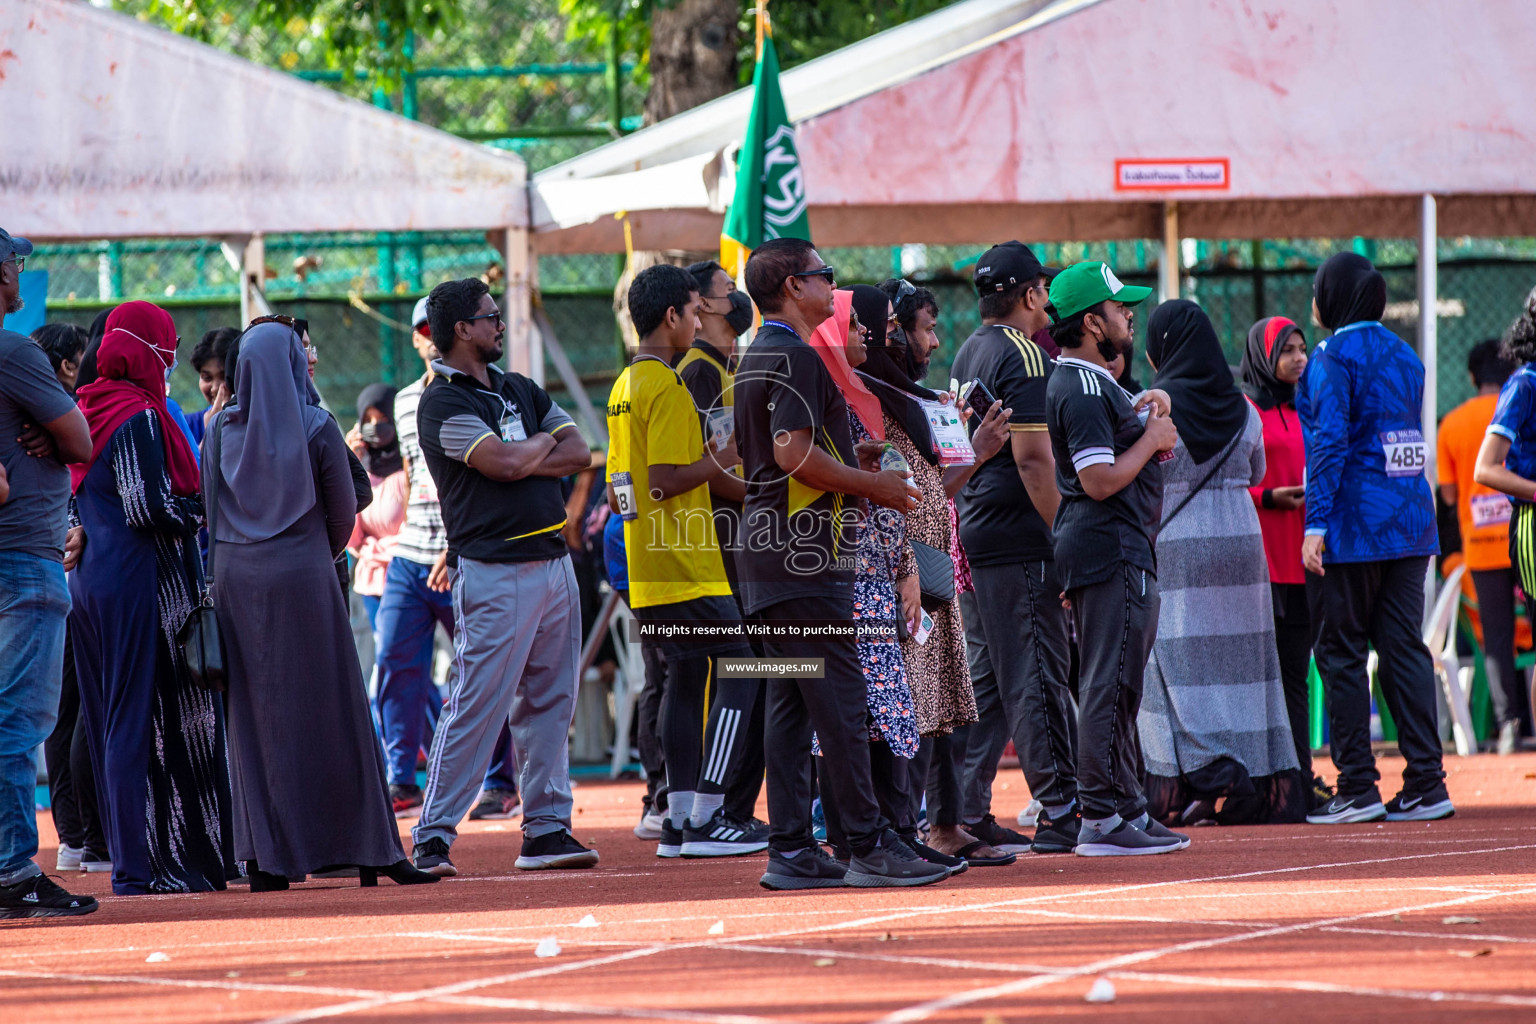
157,740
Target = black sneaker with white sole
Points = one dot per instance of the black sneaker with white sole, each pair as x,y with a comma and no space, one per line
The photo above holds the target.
1124,840
432,857
41,896
558,849
671,842
1426,806
999,837
1157,830
954,865
1349,810
892,863
810,868
1058,835
722,836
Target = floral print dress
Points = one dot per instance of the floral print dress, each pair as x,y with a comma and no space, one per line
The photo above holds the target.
883,555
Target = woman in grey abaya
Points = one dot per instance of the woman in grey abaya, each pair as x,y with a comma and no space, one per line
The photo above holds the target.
308,779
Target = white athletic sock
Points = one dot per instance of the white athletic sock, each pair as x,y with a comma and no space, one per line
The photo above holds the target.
1097,828
704,807
1142,821
678,807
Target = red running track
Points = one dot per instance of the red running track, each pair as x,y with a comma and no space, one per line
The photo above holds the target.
1281,924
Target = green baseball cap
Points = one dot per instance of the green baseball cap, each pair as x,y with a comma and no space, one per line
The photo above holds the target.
1087,284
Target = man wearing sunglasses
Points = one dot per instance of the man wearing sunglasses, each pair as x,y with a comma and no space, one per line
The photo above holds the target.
497,446
33,597
804,482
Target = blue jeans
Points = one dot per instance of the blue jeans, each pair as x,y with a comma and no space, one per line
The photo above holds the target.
404,625
34,603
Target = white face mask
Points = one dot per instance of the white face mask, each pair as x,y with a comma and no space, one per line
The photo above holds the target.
175,359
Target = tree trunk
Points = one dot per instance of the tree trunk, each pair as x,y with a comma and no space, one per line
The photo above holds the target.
693,55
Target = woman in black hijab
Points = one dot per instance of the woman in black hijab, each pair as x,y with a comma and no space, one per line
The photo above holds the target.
374,438
1348,290
1215,734
87,371
1190,365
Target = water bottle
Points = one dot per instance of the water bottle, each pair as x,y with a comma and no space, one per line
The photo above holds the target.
891,458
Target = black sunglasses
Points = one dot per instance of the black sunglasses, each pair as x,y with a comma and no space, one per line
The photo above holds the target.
484,316
826,272
299,324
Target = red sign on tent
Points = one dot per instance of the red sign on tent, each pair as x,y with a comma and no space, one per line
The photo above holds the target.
1159,175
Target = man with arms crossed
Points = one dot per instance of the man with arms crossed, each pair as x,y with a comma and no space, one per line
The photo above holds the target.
497,446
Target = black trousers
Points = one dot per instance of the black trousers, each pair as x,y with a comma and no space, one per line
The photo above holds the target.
1295,632
836,708
1020,622
935,773
894,791
1379,604
700,756
1496,607
1116,624
71,780
745,781
648,728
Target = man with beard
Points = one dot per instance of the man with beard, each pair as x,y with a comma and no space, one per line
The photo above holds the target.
497,446
1111,506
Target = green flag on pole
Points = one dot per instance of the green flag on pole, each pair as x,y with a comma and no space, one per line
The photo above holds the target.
770,188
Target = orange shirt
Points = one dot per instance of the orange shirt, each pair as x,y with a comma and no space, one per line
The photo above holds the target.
1482,512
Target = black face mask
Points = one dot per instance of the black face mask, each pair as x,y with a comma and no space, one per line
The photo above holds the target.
379,434
740,316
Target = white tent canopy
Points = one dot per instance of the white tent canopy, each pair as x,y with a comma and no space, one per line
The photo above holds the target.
120,129
1314,118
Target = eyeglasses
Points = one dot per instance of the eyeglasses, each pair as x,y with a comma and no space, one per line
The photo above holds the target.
824,271
905,288
485,316
20,261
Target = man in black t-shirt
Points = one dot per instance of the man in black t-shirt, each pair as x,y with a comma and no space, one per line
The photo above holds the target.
497,446
1016,632
795,566
1106,529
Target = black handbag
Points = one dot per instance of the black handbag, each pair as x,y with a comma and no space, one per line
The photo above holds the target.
935,574
199,639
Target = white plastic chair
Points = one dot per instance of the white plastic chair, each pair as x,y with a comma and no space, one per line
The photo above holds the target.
627,684
1455,681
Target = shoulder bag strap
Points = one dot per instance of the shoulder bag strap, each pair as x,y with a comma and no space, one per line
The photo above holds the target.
1225,455
211,500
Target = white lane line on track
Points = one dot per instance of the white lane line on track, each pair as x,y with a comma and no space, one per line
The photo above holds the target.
426,994
1429,996
493,1002
922,1011
1464,936
1071,915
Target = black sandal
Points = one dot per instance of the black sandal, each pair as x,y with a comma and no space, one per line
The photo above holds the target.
968,849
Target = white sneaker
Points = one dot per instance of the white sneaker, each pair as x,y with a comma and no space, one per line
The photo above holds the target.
1028,815
69,857
650,825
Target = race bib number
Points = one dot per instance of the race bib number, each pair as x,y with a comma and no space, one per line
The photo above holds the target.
1489,510
624,491
1405,452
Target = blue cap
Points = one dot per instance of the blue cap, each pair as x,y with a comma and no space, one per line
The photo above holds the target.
10,245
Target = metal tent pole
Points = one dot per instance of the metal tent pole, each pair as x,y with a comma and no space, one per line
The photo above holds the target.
1169,278
1429,334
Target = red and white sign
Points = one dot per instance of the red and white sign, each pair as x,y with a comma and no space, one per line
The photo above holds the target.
1163,175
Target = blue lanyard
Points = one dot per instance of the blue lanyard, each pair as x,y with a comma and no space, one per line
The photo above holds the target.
780,323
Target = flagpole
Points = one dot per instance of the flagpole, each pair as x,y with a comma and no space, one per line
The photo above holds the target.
762,20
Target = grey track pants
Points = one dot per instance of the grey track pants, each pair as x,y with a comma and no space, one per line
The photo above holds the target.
517,643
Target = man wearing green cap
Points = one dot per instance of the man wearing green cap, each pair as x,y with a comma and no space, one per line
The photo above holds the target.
1111,504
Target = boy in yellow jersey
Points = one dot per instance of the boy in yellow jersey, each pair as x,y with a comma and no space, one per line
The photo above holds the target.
659,471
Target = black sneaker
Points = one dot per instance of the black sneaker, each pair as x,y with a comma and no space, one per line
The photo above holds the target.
1157,830
1348,810
954,865
1124,840
892,863
558,849
1056,836
1427,806
432,857
811,868
999,837
671,842
1320,793
721,836
41,896
92,861
496,805
406,800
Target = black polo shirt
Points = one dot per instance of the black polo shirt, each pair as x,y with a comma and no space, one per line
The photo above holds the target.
795,541
998,522
1092,423
491,520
